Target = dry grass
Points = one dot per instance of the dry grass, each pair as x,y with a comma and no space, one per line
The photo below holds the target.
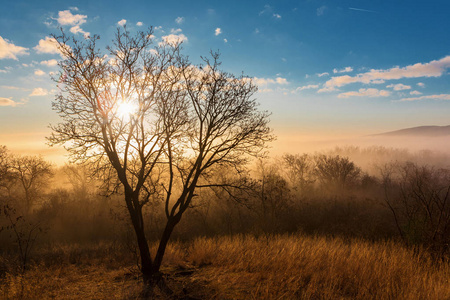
286,267
242,267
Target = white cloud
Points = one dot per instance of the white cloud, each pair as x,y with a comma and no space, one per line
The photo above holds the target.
399,87
122,22
139,24
175,31
266,81
39,72
277,16
179,20
39,92
65,17
225,40
323,74
321,10
415,93
432,97
10,87
434,68
7,102
421,84
280,80
47,45
77,29
365,93
327,89
344,70
306,87
9,50
218,31
49,63
172,39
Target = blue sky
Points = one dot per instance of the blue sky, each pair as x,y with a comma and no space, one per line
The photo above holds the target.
322,67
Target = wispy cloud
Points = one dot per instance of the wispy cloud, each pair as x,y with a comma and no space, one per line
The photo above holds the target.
39,72
218,31
428,97
362,9
10,87
49,63
415,93
6,70
39,92
268,10
434,68
267,81
321,10
179,20
306,87
9,50
122,22
365,93
344,70
323,74
8,102
399,87
139,24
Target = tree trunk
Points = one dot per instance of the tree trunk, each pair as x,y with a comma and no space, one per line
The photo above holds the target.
144,251
171,223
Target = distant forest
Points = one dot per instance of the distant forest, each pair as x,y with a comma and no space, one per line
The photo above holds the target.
374,193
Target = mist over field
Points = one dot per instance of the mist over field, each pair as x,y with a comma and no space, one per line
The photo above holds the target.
291,209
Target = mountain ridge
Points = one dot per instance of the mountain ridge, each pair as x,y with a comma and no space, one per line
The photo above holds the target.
419,131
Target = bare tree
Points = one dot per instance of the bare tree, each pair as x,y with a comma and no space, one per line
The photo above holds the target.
271,195
299,170
151,118
419,199
6,172
335,171
32,173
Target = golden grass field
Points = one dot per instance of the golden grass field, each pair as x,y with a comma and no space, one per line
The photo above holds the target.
238,267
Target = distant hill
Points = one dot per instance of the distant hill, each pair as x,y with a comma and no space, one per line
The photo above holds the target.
421,131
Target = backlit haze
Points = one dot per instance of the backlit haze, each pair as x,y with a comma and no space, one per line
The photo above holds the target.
331,72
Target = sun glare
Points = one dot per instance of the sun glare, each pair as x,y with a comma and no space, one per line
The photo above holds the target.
126,109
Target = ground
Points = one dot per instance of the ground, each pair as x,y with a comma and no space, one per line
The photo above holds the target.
240,267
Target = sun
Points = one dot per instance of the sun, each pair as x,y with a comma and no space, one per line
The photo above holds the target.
126,110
